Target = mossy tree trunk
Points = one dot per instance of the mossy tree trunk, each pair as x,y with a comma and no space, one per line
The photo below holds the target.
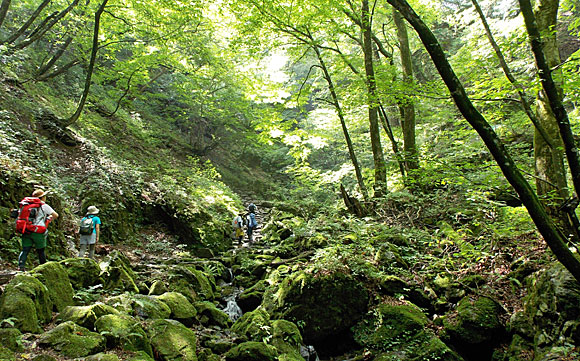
542,220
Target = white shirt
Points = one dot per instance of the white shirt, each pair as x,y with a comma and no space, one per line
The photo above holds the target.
43,212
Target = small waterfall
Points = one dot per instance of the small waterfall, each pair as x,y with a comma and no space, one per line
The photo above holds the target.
232,309
309,353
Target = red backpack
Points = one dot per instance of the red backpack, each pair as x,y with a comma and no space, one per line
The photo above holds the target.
29,208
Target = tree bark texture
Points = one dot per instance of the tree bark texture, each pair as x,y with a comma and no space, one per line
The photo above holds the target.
4,6
375,135
409,122
532,203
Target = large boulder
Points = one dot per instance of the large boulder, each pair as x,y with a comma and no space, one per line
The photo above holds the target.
172,341
286,338
253,326
328,305
26,301
150,307
72,340
475,327
118,274
181,309
252,351
396,331
192,283
82,272
209,314
86,316
123,331
54,276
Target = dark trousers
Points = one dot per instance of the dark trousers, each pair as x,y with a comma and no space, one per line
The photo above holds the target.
24,255
250,232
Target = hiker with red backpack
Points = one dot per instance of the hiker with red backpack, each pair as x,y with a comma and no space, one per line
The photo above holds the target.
34,215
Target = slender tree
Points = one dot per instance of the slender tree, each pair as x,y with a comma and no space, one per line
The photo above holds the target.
407,106
18,33
375,135
91,66
529,198
4,6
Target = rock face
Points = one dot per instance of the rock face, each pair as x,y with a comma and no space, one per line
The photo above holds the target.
549,325
327,305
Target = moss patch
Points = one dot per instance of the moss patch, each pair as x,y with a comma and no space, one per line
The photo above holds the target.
72,340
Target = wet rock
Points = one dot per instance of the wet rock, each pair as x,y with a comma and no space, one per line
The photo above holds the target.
181,309
86,316
82,272
72,340
125,332
27,301
172,341
209,314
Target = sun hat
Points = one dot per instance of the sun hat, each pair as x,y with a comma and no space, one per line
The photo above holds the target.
39,193
92,210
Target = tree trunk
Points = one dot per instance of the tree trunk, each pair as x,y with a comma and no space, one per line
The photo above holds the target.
551,91
409,139
535,208
340,114
549,161
378,157
46,67
27,24
4,10
91,67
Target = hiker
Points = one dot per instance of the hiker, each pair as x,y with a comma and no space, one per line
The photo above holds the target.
251,224
89,232
238,226
33,226
252,208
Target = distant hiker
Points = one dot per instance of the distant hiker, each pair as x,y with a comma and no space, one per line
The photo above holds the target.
251,223
238,226
89,231
34,215
252,208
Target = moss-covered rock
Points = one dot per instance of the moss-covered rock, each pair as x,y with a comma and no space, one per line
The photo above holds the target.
388,255
150,307
102,357
7,354
72,340
86,316
54,276
82,272
27,302
140,356
172,341
425,346
158,288
192,283
122,303
181,309
123,331
11,338
327,305
475,328
251,298
209,314
117,272
252,351
253,326
389,325
286,338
